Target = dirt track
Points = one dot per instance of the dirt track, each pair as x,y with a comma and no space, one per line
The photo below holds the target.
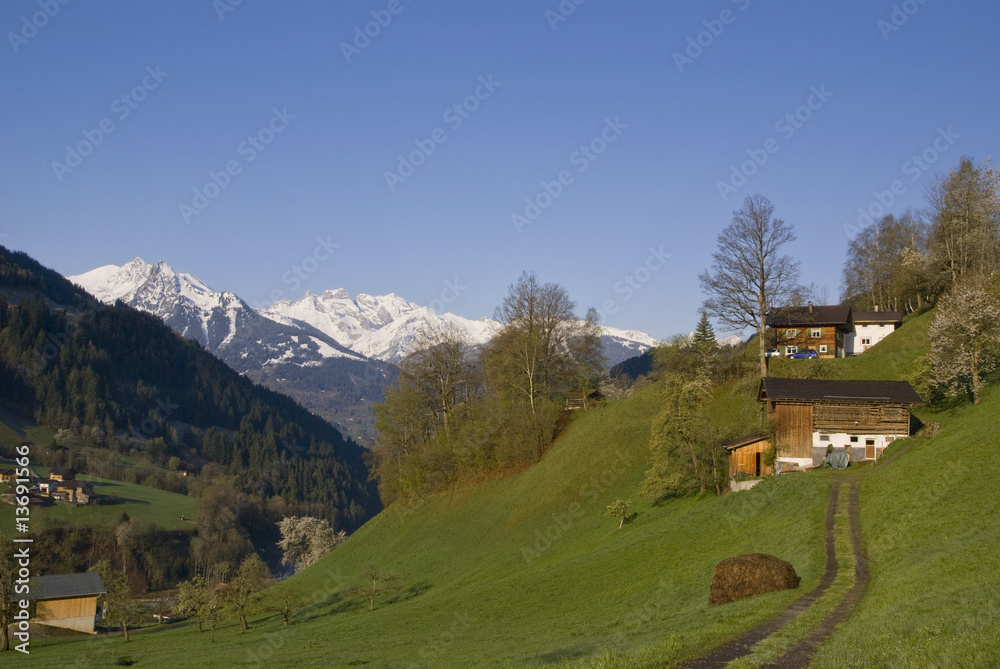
743,645
801,653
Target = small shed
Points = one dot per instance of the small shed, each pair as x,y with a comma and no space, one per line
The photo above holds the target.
68,600
746,456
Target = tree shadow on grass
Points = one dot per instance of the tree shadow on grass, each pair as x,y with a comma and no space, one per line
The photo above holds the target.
410,592
561,655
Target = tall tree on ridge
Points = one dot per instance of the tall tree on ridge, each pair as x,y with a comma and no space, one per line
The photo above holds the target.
749,275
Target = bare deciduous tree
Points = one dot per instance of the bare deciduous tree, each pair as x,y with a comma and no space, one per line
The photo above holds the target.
888,266
377,583
749,275
964,208
532,352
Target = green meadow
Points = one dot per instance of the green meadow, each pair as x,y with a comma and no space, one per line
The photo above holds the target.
525,570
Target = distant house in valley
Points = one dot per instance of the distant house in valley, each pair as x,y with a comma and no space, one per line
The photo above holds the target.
7,475
47,486
812,414
10,497
68,600
75,492
62,474
819,328
871,327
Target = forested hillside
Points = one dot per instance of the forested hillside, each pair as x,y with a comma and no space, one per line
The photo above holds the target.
121,379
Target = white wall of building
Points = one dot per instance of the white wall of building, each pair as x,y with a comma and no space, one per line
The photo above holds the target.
872,332
840,439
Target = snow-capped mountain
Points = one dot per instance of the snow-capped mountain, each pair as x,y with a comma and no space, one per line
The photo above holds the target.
296,359
383,327
386,327
221,322
333,353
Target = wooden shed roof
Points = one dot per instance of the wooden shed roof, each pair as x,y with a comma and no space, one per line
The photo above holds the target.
887,392
744,441
65,586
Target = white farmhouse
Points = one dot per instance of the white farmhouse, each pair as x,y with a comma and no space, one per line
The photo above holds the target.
871,327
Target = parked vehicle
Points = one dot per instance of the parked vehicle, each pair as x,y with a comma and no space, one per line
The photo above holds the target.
804,353
772,353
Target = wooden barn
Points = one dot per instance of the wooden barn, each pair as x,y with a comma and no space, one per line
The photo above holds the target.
812,414
746,456
68,600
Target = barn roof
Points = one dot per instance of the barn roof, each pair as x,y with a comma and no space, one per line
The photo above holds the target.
834,314
889,392
878,316
64,586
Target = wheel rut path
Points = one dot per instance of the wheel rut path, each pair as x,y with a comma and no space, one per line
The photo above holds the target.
801,653
745,643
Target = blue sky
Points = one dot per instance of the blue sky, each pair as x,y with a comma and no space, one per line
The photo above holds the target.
162,95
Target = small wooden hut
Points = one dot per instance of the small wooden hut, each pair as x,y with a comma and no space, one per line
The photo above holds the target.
746,456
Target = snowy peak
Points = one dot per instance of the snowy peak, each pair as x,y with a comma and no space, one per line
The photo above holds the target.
384,327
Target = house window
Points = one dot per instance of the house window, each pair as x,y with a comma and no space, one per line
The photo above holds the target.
791,334
854,440
866,341
869,442
791,349
816,333
823,348
824,437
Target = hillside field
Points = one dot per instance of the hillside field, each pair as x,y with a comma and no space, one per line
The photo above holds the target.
526,570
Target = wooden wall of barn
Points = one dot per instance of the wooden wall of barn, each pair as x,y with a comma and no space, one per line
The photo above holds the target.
795,430
55,610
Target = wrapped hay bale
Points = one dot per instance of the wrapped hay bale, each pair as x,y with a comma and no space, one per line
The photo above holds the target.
749,575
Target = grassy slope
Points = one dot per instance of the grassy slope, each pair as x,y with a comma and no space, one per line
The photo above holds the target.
486,587
929,518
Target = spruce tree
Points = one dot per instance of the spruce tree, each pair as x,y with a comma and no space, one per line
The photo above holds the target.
704,333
